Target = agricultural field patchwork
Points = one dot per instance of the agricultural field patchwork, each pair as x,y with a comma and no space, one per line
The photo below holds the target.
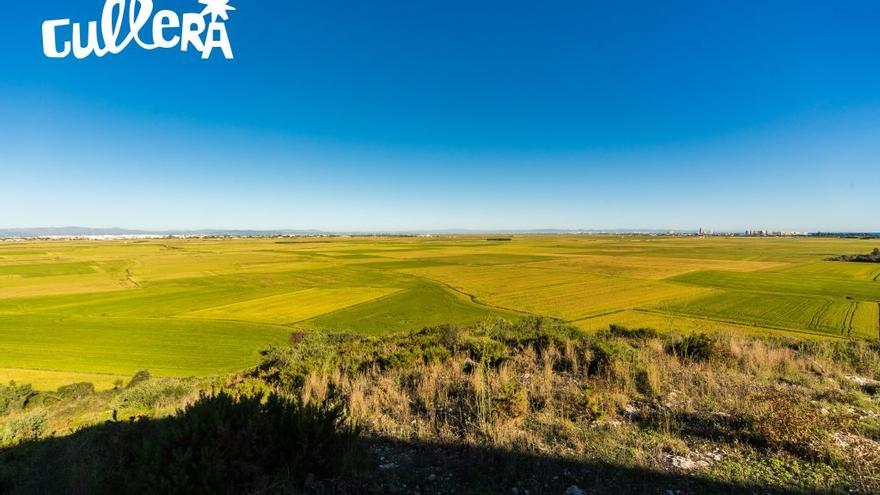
95,311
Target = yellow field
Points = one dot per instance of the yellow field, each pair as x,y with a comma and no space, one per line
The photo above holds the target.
15,287
682,324
545,290
51,380
651,268
286,309
866,319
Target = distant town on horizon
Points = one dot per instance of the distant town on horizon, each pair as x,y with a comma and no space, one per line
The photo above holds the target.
121,233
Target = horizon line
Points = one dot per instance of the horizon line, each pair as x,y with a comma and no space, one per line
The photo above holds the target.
122,231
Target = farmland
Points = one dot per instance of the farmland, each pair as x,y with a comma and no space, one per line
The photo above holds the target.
72,310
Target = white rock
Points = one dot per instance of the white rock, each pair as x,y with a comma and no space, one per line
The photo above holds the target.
684,463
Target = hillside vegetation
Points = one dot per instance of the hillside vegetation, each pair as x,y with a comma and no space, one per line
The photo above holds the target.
532,406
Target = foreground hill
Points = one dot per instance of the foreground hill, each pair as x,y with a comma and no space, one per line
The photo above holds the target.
529,407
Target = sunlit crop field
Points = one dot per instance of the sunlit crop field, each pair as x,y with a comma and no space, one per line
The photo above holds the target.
557,292
74,309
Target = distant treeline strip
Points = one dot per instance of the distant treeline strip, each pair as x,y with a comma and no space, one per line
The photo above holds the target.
873,257
848,235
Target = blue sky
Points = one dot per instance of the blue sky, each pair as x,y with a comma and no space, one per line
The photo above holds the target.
395,115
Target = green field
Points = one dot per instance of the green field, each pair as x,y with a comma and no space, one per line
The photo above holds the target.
74,309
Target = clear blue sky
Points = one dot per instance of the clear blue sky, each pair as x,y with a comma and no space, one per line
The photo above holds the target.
379,114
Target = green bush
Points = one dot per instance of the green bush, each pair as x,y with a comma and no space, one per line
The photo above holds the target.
76,391
632,333
450,335
537,332
29,426
485,350
139,377
228,445
288,367
644,384
405,356
14,397
492,342
870,428
696,347
511,400
605,354
152,393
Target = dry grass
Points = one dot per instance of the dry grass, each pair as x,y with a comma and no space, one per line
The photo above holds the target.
595,397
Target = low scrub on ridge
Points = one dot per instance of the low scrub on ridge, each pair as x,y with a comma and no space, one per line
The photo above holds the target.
534,406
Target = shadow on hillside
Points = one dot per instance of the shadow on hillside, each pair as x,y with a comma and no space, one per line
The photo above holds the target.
94,460
459,469
718,428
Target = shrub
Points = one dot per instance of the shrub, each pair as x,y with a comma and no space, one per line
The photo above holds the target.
450,335
696,347
14,397
485,350
606,354
511,400
139,377
538,333
30,426
402,357
787,420
227,445
870,428
152,393
76,391
647,382
288,367
632,333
